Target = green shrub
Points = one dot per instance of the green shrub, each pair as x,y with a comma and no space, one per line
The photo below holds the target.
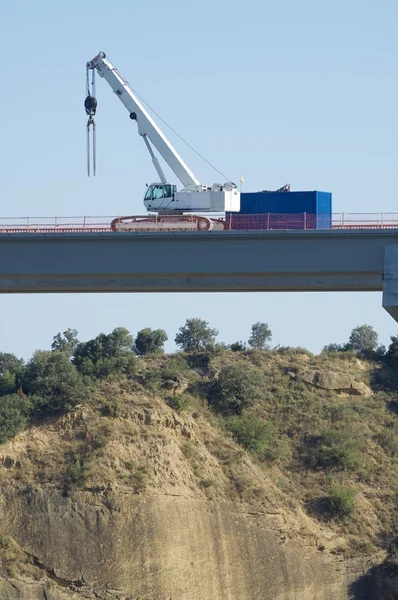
334,449
238,386
238,347
393,550
388,440
138,479
111,409
252,433
341,501
179,401
151,380
175,367
292,351
76,471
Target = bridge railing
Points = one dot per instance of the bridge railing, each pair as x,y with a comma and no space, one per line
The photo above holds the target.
233,221
54,224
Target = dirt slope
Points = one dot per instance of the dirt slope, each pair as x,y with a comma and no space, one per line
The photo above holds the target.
157,504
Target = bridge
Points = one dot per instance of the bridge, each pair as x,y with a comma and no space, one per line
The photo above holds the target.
217,261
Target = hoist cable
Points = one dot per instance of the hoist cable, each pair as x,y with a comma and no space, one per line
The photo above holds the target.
90,105
93,84
88,148
181,138
94,150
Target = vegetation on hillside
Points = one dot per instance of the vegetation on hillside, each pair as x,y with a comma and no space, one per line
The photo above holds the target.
333,451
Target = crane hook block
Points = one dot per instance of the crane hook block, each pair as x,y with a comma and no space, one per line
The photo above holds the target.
90,104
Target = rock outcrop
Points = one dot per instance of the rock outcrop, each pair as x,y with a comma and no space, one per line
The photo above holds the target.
336,381
120,545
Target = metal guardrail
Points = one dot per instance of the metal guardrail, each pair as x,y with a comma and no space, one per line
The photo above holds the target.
267,221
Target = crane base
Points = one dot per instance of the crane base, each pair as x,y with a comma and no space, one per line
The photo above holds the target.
167,223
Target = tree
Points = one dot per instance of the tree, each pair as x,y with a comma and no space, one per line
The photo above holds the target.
65,342
237,387
196,335
150,341
53,381
106,354
363,339
392,351
11,372
14,411
260,337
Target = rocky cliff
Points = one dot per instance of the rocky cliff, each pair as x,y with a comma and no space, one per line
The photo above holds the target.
153,503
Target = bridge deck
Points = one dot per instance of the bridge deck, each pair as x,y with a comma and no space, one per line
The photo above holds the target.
327,260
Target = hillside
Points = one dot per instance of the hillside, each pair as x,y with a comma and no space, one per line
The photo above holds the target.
217,475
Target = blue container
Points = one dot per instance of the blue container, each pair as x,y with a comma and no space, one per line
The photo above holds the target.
312,210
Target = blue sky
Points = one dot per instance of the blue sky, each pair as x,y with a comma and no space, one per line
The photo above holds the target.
299,92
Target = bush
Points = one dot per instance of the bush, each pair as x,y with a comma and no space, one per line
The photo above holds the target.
336,348
76,471
53,381
238,347
393,550
151,380
334,449
341,501
252,433
175,367
14,416
150,341
111,409
179,401
237,387
388,440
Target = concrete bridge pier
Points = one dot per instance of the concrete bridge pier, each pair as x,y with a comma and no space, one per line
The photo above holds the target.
390,280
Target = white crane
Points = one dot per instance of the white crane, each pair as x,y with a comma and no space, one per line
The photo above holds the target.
174,207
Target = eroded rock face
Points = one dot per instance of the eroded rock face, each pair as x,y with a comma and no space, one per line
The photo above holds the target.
127,546
335,381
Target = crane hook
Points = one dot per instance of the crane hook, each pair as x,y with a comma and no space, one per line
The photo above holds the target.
90,106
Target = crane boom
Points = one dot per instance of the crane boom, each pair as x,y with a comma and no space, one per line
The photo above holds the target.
147,128
163,198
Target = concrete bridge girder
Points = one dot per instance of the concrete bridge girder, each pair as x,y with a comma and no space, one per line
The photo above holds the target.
390,281
230,261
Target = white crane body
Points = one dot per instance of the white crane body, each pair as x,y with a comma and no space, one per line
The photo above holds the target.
163,197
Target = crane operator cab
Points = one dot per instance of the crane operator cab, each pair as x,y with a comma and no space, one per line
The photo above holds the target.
159,195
